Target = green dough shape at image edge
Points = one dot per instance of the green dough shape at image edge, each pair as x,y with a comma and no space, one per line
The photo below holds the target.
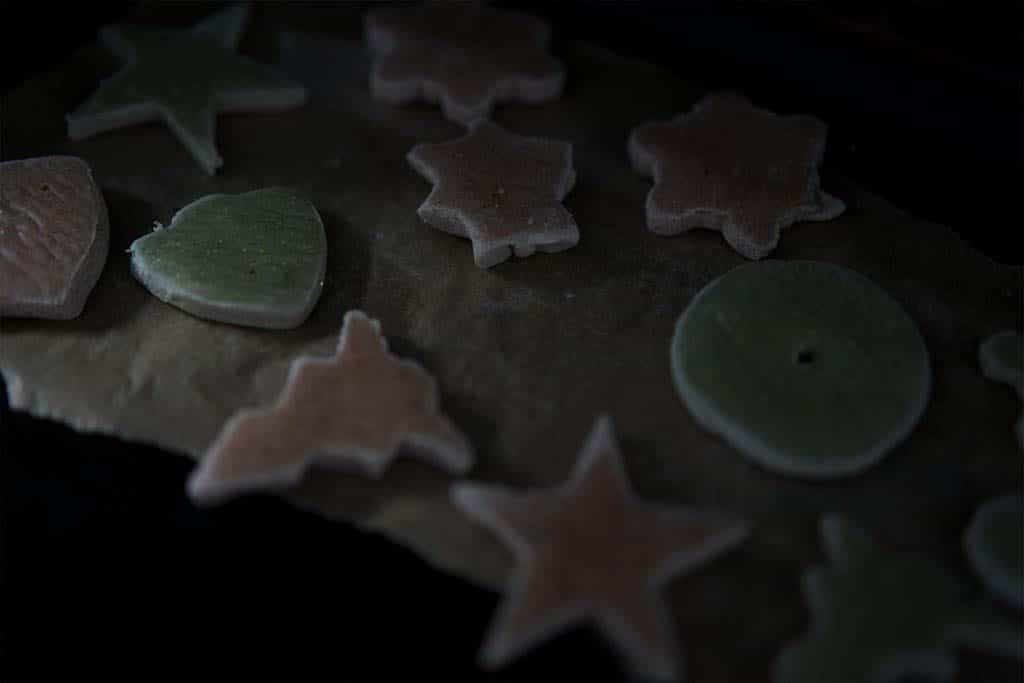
808,368
1001,358
256,258
994,543
881,616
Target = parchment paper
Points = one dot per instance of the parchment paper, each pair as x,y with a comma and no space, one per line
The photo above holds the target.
526,353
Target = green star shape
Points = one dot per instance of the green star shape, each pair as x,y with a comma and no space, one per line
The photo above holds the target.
183,78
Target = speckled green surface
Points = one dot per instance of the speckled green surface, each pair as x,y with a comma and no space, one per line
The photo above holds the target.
877,615
251,258
808,368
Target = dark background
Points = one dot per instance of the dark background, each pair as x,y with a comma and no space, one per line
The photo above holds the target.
109,572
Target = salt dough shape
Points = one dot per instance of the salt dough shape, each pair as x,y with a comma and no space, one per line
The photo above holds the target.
351,411
994,544
731,167
54,237
807,368
501,190
183,78
464,55
591,549
877,617
255,259
1001,358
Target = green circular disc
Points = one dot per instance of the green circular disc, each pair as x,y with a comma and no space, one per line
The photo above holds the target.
807,368
994,543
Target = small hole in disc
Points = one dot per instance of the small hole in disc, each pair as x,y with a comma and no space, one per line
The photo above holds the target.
44,187
805,356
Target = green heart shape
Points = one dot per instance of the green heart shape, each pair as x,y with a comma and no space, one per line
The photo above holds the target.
255,259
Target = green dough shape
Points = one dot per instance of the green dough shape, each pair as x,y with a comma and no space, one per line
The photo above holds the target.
876,617
1001,358
807,368
183,78
255,259
994,543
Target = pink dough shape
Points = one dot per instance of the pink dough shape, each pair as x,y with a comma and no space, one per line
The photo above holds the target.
731,167
53,237
351,411
591,549
466,56
501,190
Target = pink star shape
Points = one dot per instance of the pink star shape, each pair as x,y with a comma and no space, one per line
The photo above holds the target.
464,55
732,167
499,189
591,549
